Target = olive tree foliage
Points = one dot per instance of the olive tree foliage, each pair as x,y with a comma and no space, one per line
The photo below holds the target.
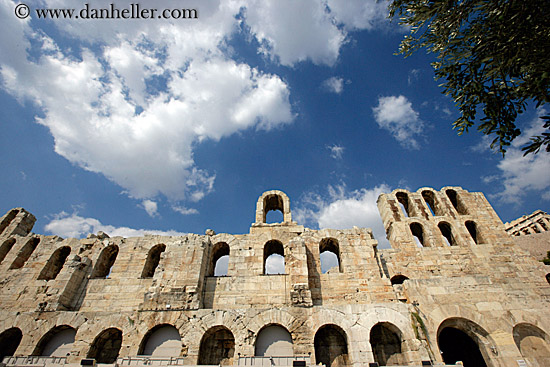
494,58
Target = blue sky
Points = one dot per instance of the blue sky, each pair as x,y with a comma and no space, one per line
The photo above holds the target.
179,125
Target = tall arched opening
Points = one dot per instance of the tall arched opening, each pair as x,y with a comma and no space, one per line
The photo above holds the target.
161,341
219,260
105,262
24,254
217,347
533,344
274,257
57,342
460,340
106,346
153,260
331,347
385,341
9,341
329,254
273,341
55,263
5,248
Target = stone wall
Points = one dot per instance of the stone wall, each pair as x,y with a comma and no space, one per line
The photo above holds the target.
452,268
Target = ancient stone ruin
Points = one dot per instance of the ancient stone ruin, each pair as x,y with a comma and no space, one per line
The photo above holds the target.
453,287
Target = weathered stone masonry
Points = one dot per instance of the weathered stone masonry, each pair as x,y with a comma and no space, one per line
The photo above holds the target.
452,277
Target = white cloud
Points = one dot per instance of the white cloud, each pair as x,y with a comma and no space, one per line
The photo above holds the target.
133,110
75,226
129,100
334,85
294,31
359,14
185,211
521,174
342,209
396,115
150,207
336,151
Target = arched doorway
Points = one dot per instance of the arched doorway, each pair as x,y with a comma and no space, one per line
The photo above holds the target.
57,342
532,343
106,346
385,340
331,347
9,341
460,340
161,341
274,341
217,347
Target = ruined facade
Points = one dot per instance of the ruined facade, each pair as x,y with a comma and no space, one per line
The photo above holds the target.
453,287
537,222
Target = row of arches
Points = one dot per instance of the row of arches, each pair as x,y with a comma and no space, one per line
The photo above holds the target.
458,339
217,345
447,233
24,253
435,207
274,257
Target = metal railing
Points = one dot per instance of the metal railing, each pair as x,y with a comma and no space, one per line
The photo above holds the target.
272,361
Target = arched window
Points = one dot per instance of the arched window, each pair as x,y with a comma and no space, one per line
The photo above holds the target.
5,248
398,279
463,340
106,346
456,345
331,347
403,200
153,259
55,263
105,262
220,260
548,278
161,341
329,251
543,225
25,253
385,340
57,342
418,234
9,341
457,204
447,233
273,341
274,257
217,347
474,231
8,219
532,343
273,203
431,202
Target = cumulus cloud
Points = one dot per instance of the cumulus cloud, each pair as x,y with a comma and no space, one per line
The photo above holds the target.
130,100
133,110
293,31
150,207
74,226
336,151
334,85
396,115
359,14
521,174
344,209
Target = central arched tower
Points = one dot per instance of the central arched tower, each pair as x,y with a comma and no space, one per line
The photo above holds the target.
273,200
